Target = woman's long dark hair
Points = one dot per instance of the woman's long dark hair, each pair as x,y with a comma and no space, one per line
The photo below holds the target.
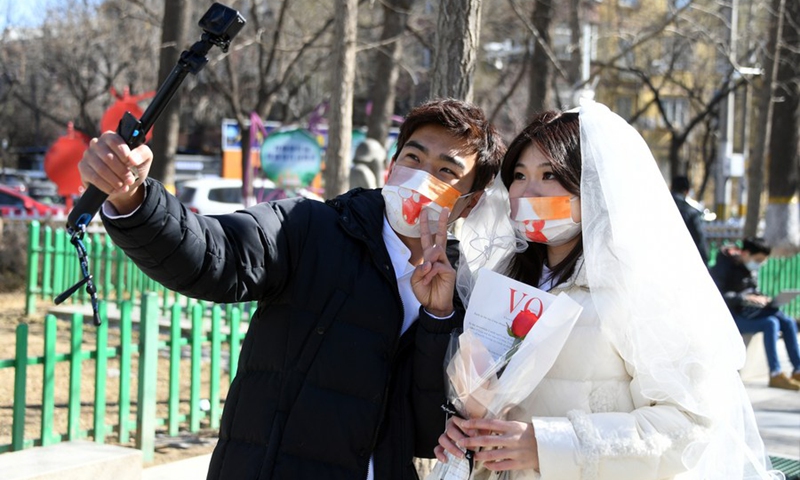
557,136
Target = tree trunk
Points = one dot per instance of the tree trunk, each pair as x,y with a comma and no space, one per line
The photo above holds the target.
174,30
782,221
538,92
395,18
456,51
576,58
340,115
763,121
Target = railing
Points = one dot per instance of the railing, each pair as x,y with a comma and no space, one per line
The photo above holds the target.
53,267
779,274
135,356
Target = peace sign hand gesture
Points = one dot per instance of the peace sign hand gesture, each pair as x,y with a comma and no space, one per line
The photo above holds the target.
434,280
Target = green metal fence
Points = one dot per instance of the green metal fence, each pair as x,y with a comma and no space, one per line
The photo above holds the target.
779,274
53,267
211,339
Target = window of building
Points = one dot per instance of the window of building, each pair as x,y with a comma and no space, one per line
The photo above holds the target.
624,107
676,110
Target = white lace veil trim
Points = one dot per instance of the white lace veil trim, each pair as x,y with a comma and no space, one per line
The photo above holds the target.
487,238
655,297
651,289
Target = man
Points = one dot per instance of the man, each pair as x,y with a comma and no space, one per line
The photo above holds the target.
735,274
340,374
692,217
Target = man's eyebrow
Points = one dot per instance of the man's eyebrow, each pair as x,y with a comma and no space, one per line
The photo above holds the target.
447,158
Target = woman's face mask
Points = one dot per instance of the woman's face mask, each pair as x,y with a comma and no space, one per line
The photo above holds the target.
410,193
547,220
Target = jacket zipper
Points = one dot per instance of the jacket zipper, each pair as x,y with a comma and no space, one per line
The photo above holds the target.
389,379
392,281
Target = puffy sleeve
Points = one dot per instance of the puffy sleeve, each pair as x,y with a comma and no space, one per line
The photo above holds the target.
237,257
646,443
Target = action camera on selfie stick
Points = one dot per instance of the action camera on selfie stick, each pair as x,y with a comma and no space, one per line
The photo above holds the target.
220,24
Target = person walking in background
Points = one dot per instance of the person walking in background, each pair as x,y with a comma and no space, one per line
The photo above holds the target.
340,371
692,217
646,385
736,276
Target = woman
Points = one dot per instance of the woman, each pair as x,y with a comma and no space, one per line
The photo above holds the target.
646,386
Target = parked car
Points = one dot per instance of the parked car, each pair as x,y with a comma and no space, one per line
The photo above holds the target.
45,191
214,196
13,181
15,203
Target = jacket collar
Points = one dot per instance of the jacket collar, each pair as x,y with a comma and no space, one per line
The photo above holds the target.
361,215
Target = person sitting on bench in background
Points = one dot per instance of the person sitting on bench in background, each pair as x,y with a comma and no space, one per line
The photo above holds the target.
735,274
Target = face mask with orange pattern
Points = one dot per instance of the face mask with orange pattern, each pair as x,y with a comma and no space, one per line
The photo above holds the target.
546,220
410,193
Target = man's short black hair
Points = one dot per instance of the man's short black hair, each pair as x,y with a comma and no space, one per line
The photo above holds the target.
756,245
680,184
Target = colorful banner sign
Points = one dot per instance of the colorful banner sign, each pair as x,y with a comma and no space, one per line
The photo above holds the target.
291,158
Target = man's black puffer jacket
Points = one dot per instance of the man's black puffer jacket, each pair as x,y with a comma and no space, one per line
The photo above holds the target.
324,378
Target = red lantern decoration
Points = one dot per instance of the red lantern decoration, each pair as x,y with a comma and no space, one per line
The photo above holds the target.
125,103
61,162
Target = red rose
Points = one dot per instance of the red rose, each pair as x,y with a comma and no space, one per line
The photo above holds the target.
522,324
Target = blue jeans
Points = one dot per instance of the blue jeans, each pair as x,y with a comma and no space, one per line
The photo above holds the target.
770,321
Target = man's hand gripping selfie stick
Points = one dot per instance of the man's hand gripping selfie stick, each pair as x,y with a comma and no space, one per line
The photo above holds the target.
220,24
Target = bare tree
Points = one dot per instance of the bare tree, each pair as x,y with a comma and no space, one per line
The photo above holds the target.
70,63
340,118
539,76
387,59
782,222
456,49
174,35
274,60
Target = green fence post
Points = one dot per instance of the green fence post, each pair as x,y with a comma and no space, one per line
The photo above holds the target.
148,372
119,287
793,309
100,372
130,280
49,379
216,347
20,381
174,370
96,260
235,341
194,391
125,353
108,267
33,268
59,244
47,263
74,402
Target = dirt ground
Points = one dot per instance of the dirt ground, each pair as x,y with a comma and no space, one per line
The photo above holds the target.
12,313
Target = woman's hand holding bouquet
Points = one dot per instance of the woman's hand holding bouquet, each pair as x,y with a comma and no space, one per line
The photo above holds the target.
493,366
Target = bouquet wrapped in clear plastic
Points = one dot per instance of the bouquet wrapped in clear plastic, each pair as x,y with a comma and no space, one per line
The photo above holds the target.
483,384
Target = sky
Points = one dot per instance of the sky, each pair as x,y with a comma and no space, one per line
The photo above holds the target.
20,13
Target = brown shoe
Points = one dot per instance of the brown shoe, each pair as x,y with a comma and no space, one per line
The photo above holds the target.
782,380
796,376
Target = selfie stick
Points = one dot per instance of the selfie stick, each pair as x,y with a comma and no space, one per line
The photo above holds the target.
220,24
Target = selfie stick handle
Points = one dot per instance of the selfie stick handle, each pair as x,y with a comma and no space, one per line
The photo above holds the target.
134,131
